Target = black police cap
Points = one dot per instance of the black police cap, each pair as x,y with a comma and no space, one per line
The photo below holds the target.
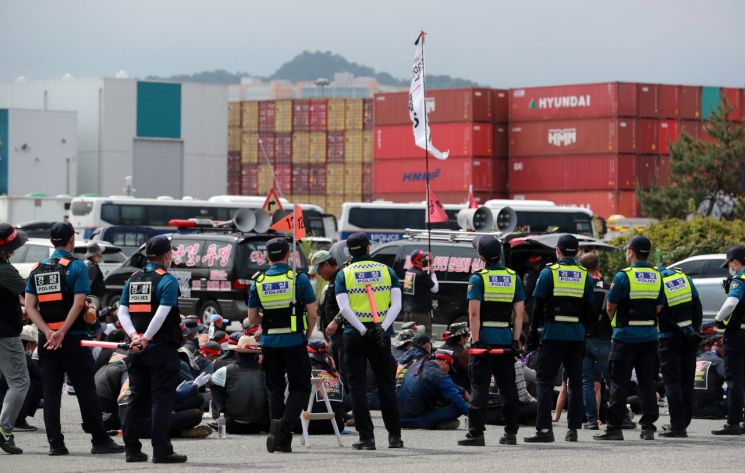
735,253
61,232
277,247
568,244
640,244
357,243
489,247
157,246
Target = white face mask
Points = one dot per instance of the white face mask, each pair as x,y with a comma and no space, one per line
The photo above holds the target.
732,272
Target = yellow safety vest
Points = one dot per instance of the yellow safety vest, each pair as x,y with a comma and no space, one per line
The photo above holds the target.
569,282
644,289
678,292
499,294
357,276
275,295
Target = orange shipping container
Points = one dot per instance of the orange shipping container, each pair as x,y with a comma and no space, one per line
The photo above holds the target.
300,147
334,179
353,114
250,116
317,147
283,116
353,146
234,139
234,114
367,146
250,147
335,114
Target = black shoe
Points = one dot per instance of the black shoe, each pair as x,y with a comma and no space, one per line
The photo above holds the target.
628,425
472,441
507,439
571,435
285,446
591,426
136,457
275,431
647,434
8,444
674,434
364,445
58,450
107,447
615,434
395,442
728,429
540,437
172,458
23,426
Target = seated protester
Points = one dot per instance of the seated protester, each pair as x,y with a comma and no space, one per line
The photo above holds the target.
456,338
117,336
527,404
29,336
422,346
323,366
207,355
221,338
217,323
109,380
238,390
227,356
428,397
189,368
234,337
401,343
190,331
708,390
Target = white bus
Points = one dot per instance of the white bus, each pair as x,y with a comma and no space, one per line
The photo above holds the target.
385,221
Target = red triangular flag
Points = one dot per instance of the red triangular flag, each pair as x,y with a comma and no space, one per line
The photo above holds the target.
286,224
472,204
436,210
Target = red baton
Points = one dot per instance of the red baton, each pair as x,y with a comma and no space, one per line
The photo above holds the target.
98,344
488,351
371,298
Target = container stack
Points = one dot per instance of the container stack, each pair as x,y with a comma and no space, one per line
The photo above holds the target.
470,123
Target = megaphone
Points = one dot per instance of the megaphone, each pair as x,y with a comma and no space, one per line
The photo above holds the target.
244,220
479,219
263,220
505,219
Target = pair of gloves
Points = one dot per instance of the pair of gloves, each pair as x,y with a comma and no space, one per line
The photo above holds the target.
377,335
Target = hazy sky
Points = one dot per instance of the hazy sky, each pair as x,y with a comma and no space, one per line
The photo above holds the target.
497,43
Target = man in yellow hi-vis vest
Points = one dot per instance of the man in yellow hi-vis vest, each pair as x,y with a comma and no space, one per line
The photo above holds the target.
635,298
284,340
369,297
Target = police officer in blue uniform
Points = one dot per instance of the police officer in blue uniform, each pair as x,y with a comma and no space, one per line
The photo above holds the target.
56,293
564,298
283,298
731,318
148,312
496,310
680,325
635,298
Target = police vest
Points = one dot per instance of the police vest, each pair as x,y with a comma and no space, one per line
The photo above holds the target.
55,296
144,302
358,276
279,314
736,321
566,303
640,308
499,295
679,297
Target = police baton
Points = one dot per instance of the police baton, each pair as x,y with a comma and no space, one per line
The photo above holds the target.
98,344
371,298
490,351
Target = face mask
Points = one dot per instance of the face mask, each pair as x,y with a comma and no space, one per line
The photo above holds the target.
732,272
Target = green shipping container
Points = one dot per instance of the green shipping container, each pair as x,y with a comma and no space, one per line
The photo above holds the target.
710,98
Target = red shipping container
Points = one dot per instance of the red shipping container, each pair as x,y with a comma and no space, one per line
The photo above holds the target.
663,171
249,179
647,95
317,113
335,147
648,132
443,106
283,148
444,197
501,140
451,175
734,99
605,100
300,174
689,102
462,139
234,184
283,178
571,137
234,163
266,148
702,133
266,115
317,179
367,114
582,172
667,101
300,115
602,203
668,133
501,101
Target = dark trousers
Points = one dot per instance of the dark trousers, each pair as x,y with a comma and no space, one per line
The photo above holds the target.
734,369
77,363
359,350
294,362
481,369
552,355
153,377
678,366
624,358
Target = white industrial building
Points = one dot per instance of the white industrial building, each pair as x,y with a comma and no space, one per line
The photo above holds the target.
170,137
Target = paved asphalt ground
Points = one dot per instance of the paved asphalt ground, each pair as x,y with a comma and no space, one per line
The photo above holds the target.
425,451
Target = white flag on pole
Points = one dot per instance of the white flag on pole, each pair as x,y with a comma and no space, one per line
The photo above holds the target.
417,109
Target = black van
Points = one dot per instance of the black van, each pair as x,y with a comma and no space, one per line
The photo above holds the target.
214,271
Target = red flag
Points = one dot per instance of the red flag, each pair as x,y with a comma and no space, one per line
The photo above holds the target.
436,210
287,224
472,204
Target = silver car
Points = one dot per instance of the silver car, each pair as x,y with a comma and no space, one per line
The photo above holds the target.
707,275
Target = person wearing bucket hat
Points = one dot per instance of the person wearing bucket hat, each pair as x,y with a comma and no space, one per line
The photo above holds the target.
456,343
420,282
12,355
56,293
93,256
238,390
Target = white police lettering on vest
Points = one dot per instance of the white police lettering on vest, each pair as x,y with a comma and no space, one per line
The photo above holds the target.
570,276
500,281
140,291
275,288
47,282
367,277
644,277
676,284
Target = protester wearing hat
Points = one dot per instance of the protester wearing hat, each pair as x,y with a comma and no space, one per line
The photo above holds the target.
93,256
420,282
148,311
217,323
366,340
496,311
635,298
428,397
238,390
324,367
564,298
708,392
12,355
285,304
56,294
731,318
457,337
402,343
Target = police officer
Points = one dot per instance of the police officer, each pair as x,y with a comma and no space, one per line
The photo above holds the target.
635,298
283,297
368,341
420,282
148,312
496,311
55,302
564,296
323,264
731,318
680,325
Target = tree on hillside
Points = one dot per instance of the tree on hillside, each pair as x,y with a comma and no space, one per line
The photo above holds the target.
705,175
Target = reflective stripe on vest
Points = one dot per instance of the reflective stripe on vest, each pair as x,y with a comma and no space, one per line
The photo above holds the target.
677,289
499,285
356,277
644,283
495,324
569,281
